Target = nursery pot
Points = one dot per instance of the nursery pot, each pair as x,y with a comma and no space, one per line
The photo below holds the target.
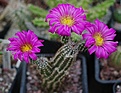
84,74
108,83
50,47
83,70
19,83
113,23
117,87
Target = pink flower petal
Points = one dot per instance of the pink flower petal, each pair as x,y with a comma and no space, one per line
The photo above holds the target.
89,42
86,36
33,56
92,49
26,57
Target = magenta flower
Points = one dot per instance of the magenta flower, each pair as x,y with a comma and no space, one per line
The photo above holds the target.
66,18
99,39
25,45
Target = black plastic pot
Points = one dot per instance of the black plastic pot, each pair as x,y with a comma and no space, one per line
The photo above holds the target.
111,25
84,74
107,83
84,70
115,87
118,31
19,83
50,47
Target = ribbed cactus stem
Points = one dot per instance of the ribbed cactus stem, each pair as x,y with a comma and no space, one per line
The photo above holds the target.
54,70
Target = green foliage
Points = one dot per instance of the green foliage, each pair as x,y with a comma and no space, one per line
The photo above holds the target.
99,11
75,37
37,11
54,36
40,22
39,16
54,3
83,3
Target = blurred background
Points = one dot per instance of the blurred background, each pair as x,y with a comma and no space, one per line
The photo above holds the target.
18,15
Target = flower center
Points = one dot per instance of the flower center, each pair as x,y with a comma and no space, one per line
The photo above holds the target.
26,47
98,39
67,20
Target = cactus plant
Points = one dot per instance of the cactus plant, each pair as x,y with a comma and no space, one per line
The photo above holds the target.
53,71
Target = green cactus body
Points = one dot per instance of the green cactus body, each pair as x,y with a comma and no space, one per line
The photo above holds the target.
115,58
117,15
53,71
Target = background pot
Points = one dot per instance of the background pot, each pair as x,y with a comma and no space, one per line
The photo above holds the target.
19,83
83,76
115,22
108,83
117,87
50,47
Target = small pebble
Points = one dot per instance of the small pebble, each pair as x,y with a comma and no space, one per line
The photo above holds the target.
1,79
6,79
29,78
109,73
39,91
80,91
28,73
115,73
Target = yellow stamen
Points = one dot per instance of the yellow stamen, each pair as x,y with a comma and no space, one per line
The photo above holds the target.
98,39
26,47
67,20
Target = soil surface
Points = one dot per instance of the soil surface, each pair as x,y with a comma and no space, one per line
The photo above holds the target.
71,84
6,79
110,73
